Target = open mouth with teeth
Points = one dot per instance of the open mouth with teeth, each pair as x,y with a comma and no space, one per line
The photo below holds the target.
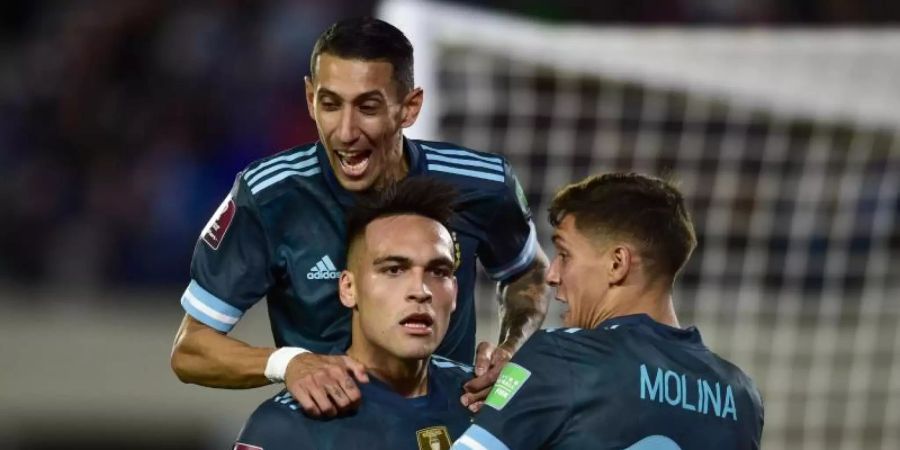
354,163
419,324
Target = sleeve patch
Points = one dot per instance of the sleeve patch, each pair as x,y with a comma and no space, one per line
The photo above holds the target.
511,379
215,229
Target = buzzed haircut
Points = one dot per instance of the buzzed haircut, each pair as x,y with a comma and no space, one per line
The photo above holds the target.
647,212
368,39
421,196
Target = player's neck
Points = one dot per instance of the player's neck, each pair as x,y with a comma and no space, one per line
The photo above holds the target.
407,377
654,301
395,170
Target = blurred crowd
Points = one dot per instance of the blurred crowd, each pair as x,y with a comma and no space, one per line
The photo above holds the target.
123,123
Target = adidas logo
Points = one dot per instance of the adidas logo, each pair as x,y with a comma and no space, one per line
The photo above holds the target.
324,270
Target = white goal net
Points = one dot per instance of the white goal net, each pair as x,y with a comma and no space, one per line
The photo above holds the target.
785,143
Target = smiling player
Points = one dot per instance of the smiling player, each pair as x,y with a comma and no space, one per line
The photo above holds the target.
280,234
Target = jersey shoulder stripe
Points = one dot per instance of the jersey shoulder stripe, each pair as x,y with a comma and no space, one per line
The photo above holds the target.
299,162
478,438
446,363
456,151
282,157
287,400
521,261
209,309
462,162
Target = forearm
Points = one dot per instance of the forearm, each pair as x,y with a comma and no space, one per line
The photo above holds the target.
523,304
206,357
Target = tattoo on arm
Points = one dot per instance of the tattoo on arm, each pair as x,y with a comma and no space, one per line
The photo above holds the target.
523,304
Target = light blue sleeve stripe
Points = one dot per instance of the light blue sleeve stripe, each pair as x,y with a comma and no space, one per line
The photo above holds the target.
477,438
218,305
282,175
444,151
464,162
280,159
523,260
277,167
466,172
203,317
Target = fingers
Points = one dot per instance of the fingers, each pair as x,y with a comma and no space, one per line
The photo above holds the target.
499,357
477,389
342,389
305,400
358,370
323,402
474,400
325,386
483,354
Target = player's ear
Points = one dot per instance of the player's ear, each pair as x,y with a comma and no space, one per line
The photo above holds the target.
347,289
621,260
412,105
310,96
455,292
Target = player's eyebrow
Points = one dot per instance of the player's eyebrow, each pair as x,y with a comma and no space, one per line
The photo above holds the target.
441,261
396,259
373,94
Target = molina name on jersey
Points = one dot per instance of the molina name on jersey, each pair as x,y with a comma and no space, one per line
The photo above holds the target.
631,383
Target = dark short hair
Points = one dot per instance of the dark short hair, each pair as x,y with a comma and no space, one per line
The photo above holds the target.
647,212
421,196
368,39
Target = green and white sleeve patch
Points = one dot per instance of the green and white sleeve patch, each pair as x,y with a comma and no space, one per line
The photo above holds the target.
511,379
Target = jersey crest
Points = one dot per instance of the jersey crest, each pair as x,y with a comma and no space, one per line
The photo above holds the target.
215,229
433,438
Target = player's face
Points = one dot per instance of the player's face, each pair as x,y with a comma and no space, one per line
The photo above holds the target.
578,274
402,286
360,116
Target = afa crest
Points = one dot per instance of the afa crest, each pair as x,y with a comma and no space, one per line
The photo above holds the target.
434,438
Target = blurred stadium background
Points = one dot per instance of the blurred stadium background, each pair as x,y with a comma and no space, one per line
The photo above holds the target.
123,124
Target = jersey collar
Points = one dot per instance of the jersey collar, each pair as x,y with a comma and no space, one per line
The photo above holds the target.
411,151
689,335
435,400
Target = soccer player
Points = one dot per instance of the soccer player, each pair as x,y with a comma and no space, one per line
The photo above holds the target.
400,287
625,375
280,234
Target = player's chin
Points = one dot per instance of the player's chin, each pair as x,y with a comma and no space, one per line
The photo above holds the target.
416,347
355,184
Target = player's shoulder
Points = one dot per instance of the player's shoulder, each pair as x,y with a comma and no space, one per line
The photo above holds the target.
735,374
268,174
551,345
276,419
451,370
282,410
282,404
463,166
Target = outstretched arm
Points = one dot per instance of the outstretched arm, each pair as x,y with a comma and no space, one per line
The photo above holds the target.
322,384
523,305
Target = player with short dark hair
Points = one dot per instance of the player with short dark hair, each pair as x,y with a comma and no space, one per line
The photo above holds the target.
625,375
280,234
400,287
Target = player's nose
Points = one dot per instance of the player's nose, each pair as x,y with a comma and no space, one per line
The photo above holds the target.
552,275
348,128
418,290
